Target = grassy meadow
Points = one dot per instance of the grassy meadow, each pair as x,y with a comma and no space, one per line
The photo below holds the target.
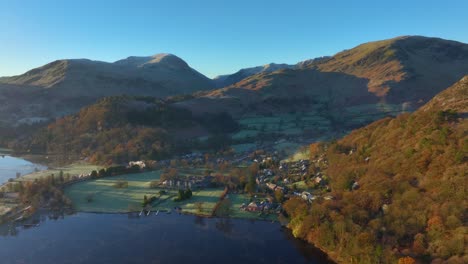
101,195
107,198
72,170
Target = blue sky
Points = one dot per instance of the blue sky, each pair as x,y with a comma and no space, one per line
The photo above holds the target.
213,36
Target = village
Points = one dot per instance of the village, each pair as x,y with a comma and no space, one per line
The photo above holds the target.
249,184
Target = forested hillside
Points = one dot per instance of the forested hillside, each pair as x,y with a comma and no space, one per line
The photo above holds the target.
398,188
119,129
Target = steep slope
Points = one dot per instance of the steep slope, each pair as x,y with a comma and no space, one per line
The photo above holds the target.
411,194
454,98
408,68
79,82
226,80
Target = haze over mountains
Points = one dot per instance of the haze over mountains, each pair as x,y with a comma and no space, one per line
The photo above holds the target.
405,71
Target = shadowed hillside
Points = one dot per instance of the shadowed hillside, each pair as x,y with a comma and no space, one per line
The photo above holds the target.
408,68
263,93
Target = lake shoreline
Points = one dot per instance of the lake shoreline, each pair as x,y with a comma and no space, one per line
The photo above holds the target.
42,160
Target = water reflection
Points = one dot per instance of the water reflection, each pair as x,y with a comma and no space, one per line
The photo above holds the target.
199,221
12,167
14,228
166,238
224,225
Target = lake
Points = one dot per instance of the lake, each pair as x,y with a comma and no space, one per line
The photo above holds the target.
163,238
9,166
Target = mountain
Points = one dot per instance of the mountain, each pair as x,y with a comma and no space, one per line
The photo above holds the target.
158,75
282,91
64,86
388,76
230,79
397,186
226,80
408,68
403,71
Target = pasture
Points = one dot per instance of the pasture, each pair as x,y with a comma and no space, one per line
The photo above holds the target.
106,198
73,170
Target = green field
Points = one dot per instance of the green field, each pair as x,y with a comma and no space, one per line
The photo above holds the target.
296,123
72,170
107,198
286,124
208,198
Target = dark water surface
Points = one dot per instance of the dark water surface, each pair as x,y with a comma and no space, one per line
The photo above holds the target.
165,238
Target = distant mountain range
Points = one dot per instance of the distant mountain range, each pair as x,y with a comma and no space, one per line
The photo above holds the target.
158,75
229,79
226,80
406,70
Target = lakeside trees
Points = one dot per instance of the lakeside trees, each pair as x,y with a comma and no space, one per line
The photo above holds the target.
183,195
44,192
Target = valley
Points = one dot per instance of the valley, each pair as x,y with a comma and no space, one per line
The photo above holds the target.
345,152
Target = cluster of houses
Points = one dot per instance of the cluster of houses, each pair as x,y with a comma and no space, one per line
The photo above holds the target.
307,196
262,206
297,168
190,182
264,159
263,176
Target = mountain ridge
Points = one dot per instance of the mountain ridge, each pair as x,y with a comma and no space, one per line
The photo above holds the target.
229,79
403,70
405,58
